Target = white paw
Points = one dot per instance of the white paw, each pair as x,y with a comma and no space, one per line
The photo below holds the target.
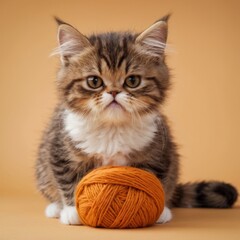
53,210
166,216
70,216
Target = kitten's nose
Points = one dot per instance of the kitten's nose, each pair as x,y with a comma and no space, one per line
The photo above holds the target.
114,93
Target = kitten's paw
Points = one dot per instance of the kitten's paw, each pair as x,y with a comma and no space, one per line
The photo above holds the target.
70,216
166,216
53,210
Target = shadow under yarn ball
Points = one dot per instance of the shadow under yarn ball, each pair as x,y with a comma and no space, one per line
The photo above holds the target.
119,197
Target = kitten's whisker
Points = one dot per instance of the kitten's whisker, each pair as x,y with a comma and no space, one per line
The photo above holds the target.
135,114
138,103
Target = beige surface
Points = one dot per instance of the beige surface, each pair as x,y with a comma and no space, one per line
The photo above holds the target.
203,106
23,219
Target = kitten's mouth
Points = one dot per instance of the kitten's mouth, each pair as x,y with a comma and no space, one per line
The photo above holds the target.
114,104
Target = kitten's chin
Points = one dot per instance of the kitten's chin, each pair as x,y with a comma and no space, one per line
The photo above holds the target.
115,113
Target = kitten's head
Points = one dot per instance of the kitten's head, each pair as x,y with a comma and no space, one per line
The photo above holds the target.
115,76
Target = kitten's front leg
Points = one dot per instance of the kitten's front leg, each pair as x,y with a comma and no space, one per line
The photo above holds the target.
67,184
70,216
53,210
166,216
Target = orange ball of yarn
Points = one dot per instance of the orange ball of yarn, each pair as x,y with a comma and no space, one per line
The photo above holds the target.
119,197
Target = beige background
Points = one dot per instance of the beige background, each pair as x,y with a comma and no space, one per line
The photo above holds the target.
204,105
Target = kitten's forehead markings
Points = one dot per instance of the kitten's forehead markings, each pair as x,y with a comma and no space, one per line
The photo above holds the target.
105,61
99,65
112,49
113,79
104,58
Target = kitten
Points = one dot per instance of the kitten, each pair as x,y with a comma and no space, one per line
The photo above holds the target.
111,88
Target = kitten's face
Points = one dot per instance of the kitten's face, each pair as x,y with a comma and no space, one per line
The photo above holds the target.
113,77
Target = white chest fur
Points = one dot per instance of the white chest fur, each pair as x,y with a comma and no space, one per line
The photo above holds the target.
112,142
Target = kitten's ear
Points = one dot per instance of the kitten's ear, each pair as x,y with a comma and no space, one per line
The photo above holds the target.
153,39
71,41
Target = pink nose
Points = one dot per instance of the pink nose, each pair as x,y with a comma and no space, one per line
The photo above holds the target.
114,93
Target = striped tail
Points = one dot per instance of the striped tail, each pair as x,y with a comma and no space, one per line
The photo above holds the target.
212,194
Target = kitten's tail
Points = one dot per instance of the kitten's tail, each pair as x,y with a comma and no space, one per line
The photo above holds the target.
212,194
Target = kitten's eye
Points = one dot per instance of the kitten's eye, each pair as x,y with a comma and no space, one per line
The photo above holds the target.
94,82
132,81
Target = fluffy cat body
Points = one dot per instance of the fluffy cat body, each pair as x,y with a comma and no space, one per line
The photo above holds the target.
111,87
